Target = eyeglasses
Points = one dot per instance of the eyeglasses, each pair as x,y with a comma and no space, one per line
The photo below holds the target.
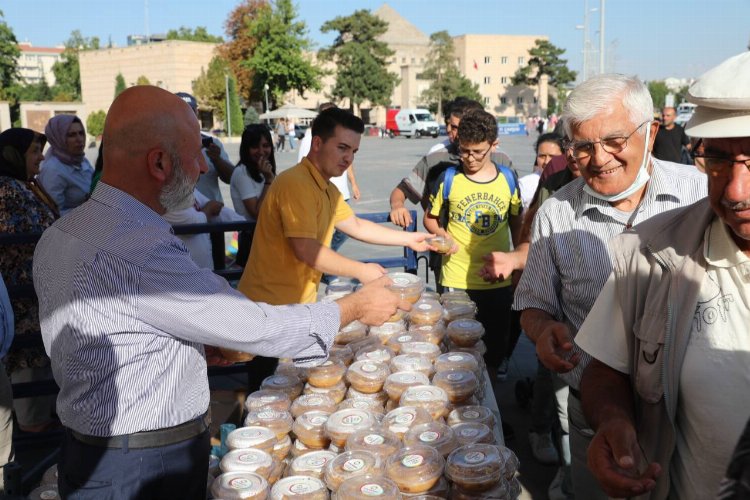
467,153
719,167
613,145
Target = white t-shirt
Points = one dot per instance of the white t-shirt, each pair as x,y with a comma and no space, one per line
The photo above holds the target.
440,146
341,182
528,184
713,403
208,183
243,187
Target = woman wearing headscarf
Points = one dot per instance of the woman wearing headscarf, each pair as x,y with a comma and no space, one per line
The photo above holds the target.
66,173
24,208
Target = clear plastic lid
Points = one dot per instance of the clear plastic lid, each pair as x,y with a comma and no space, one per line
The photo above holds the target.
377,354
311,464
44,492
341,353
459,384
473,432
407,286
475,467
350,464
280,422
471,414
276,400
381,442
398,382
367,487
380,397
248,460
310,429
312,402
511,462
362,403
435,434
465,332
340,285
501,490
394,343
456,360
440,491
387,330
412,363
351,332
442,244
367,376
282,448
299,449
286,383
454,295
431,398
299,487
431,333
401,419
327,374
415,469
343,423
286,366
252,437
425,349
336,392
426,312
459,309
240,486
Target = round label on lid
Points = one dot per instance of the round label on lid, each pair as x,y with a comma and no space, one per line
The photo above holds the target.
267,414
401,281
352,420
469,432
406,378
251,433
371,490
250,458
318,420
301,486
412,460
315,401
361,405
424,307
455,357
405,418
268,399
454,377
315,461
429,436
327,363
424,395
354,465
240,483
474,457
471,414
48,495
374,439
405,338
369,367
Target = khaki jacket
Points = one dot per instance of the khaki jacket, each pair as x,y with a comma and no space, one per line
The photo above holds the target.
659,268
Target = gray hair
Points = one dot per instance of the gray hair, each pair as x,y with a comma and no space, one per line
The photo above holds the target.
597,94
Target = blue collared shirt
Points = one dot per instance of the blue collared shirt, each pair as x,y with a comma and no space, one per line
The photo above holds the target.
125,312
6,321
67,185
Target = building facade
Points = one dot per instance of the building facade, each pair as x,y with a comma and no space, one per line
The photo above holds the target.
35,63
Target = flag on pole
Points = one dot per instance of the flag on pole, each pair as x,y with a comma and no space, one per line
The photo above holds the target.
476,66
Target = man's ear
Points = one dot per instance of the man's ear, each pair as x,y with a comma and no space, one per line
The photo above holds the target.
316,144
654,130
159,165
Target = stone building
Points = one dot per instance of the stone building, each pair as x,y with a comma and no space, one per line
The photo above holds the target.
35,63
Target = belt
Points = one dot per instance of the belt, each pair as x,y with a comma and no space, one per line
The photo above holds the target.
149,439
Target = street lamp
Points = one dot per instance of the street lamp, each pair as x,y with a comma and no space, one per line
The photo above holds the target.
229,113
265,93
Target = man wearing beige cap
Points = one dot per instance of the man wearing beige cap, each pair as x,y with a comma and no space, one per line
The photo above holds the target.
667,389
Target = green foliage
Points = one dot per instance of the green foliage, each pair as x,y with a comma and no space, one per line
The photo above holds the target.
95,123
447,82
251,116
199,34
545,60
120,84
360,58
210,87
659,91
67,70
278,58
235,111
9,53
241,44
142,80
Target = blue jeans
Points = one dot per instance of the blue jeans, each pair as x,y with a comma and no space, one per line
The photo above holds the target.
179,470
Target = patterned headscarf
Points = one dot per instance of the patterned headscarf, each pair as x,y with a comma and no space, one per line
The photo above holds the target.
14,143
57,131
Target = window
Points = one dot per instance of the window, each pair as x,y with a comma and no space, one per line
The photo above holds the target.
403,60
535,100
486,79
486,59
504,60
413,60
520,61
486,101
503,80
519,100
503,100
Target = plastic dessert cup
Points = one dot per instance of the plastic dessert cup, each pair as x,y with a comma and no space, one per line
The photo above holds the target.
350,464
415,469
299,488
280,422
240,486
310,429
435,434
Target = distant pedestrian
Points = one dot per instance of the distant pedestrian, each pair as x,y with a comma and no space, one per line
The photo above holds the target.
290,133
281,133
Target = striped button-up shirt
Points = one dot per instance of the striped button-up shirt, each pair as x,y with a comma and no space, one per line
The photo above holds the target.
569,259
125,312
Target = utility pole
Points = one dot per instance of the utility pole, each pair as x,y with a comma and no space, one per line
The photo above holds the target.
601,35
229,113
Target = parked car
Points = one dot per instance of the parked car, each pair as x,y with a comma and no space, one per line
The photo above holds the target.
299,131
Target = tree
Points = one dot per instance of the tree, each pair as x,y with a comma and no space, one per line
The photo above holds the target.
95,123
360,58
210,87
199,34
9,53
239,48
235,111
120,84
545,60
447,82
277,59
251,116
659,91
142,80
67,71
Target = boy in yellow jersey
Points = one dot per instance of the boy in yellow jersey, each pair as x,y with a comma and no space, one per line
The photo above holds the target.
483,209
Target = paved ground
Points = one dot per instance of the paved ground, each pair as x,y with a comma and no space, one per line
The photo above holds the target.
380,164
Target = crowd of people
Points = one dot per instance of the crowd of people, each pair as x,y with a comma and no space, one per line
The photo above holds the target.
627,269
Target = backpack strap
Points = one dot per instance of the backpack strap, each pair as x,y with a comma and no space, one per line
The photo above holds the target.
510,178
450,173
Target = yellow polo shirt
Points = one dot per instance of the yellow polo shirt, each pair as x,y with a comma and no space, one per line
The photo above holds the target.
299,204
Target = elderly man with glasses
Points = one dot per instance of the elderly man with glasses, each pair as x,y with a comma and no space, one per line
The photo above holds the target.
609,120
667,390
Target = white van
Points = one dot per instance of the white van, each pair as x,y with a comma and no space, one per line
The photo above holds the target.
411,122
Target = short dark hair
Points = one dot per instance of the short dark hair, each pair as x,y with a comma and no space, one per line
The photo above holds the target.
461,105
326,122
549,137
477,126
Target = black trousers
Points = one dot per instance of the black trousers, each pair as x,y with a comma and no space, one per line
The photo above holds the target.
493,311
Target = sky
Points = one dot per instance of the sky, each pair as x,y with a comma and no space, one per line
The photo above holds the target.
653,39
